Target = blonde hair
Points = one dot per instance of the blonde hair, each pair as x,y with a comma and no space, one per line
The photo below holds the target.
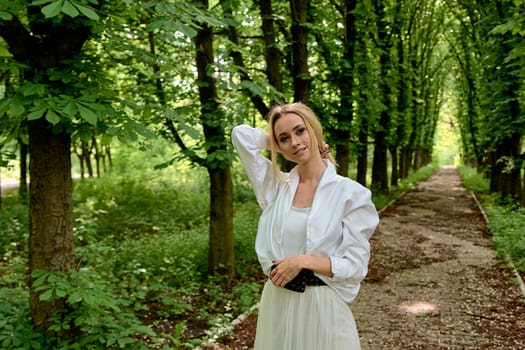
311,122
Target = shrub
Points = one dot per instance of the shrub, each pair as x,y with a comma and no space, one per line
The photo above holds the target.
101,318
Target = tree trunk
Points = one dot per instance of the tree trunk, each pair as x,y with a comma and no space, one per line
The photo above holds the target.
222,256
345,81
42,44
272,55
342,157
299,30
86,156
362,152
221,253
523,184
51,243
95,146
380,163
395,167
505,174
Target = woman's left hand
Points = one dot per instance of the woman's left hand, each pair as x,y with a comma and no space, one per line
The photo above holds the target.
285,271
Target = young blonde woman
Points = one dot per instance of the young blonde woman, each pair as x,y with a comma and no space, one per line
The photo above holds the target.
313,234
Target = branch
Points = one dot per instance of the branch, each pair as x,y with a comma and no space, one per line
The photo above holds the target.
192,156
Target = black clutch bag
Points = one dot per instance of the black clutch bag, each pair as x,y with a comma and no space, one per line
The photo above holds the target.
304,278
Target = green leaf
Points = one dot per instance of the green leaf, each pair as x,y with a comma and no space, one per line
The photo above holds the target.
253,88
187,30
70,9
142,130
16,108
75,297
60,293
155,24
88,12
6,16
52,117
69,109
4,105
40,2
47,296
53,9
84,134
37,114
89,299
41,276
87,114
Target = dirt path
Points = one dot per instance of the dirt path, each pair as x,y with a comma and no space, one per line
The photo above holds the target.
434,280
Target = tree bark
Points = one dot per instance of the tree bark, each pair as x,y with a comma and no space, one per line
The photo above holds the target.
272,55
51,245
221,254
300,74
394,177
379,165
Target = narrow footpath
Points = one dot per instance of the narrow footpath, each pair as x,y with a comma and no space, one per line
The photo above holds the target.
435,281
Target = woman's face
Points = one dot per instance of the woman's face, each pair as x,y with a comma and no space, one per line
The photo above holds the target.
293,138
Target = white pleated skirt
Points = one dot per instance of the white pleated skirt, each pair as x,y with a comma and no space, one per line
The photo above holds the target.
317,319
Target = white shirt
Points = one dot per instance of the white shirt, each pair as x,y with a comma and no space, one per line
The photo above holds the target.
341,221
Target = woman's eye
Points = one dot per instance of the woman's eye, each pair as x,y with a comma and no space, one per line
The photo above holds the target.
283,139
300,131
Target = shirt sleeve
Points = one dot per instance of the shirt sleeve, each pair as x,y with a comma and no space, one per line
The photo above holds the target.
350,259
249,143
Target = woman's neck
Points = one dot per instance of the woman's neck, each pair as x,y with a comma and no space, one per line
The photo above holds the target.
312,171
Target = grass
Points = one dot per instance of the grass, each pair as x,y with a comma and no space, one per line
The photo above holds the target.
505,220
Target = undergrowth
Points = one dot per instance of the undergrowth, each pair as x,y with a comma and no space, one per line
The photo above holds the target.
506,220
142,249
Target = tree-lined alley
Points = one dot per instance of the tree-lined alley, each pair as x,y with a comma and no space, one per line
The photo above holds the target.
76,73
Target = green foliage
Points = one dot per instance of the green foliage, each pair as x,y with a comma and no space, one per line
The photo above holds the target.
506,224
102,318
13,225
71,8
505,221
472,180
16,327
142,248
